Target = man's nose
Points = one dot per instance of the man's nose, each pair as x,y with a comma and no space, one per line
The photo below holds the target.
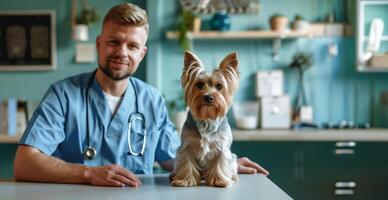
122,50
209,98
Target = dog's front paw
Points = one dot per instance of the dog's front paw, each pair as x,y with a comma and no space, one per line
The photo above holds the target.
218,182
183,183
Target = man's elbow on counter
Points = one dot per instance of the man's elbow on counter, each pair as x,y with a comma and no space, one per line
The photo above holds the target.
19,166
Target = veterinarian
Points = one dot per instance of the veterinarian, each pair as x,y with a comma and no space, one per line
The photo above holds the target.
103,127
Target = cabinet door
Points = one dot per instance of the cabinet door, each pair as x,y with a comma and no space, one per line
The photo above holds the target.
323,167
370,170
7,154
279,158
344,170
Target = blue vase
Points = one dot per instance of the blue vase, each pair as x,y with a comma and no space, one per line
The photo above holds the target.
220,22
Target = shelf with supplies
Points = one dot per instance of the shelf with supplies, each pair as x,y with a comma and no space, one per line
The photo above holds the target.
315,30
7,139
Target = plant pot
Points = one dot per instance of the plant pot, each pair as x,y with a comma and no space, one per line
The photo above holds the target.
279,24
300,25
81,32
197,24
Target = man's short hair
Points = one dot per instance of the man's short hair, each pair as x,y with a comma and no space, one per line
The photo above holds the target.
127,14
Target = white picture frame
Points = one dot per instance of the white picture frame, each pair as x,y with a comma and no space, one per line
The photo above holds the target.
27,40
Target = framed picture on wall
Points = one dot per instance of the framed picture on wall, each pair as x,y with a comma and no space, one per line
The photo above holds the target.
27,40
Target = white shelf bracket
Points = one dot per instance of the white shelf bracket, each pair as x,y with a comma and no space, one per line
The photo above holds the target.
276,45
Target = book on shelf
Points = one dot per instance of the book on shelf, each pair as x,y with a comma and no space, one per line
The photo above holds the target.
8,116
21,116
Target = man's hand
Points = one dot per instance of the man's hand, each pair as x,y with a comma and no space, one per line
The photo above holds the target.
246,166
111,175
32,165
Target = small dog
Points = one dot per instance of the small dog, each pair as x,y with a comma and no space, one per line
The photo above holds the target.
206,136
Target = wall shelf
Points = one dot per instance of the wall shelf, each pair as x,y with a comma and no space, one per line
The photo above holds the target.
239,35
314,30
6,139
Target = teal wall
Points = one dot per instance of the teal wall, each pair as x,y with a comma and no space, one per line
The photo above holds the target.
32,85
334,88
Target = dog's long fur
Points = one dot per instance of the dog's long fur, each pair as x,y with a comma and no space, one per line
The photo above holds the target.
206,136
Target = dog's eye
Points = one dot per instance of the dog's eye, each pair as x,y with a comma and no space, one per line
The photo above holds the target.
199,85
219,86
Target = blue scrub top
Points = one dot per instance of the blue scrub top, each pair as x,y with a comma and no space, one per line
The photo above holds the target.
58,126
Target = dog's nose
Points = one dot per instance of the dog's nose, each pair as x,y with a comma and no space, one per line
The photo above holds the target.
209,98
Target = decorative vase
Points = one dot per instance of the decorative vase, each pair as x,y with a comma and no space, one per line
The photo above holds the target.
300,25
220,22
81,32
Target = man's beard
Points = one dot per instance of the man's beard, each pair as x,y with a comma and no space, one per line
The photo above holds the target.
108,72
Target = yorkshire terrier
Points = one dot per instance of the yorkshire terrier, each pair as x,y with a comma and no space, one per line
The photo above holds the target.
204,155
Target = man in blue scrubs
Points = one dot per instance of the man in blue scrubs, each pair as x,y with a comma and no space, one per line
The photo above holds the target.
79,132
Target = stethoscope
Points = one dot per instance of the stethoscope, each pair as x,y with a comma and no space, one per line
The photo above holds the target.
91,152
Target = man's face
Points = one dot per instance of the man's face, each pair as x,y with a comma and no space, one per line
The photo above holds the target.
120,49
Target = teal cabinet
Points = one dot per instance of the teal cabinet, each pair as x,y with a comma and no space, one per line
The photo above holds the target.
7,154
344,170
323,170
369,170
279,158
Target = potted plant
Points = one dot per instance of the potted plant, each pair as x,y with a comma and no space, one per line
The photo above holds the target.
299,23
278,22
188,22
86,17
301,61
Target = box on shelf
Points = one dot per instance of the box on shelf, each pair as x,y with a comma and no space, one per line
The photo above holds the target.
275,112
269,83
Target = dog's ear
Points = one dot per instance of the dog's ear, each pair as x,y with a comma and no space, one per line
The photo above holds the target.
192,67
229,68
191,59
229,61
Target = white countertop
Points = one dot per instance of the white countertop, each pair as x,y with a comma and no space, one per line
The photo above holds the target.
375,135
157,186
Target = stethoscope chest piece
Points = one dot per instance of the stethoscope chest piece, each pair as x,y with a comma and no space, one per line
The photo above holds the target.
90,153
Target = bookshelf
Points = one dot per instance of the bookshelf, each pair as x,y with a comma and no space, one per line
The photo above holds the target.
6,139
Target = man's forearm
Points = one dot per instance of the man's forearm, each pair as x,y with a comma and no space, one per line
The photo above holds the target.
32,165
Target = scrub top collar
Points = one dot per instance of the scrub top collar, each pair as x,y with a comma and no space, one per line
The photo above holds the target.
127,105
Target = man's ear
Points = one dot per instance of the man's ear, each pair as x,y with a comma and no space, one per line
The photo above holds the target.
98,39
144,52
229,61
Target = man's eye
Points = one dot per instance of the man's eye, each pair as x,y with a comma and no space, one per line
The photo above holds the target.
219,87
199,85
113,42
132,46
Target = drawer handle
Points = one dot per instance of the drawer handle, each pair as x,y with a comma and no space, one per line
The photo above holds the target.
344,151
350,184
345,144
343,192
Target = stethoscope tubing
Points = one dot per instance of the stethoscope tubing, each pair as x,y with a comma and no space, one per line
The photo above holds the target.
90,152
